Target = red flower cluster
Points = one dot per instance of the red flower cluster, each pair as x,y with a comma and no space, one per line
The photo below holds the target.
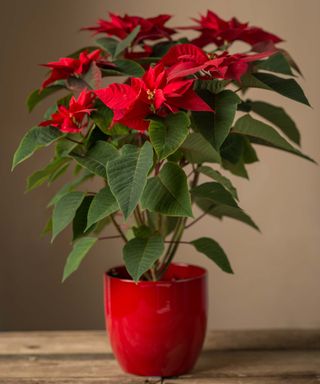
165,87
216,30
72,119
158,91
151,28
187,59
67,66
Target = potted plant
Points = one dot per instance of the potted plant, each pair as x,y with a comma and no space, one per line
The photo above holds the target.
177,111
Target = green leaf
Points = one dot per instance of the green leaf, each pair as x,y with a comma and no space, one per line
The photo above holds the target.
285,87
95,135
215,200
261,133
212,249
168,192
125,43
100,225
238,168
64,147
127,175
68,187
44,174
34,139
291,62
59,172
65,210
275,63
225,109
142,231
221,211
129,67
249,81
92,78
161,48
37,95
163,224
203,123
168,134
79,224
79,251
102,117
96,158
146,61
278,117
47,228
141,253
169,225
111,72
119,130
216,127
108,44
215,175
215,193
103,205
237,151
198,150
213,86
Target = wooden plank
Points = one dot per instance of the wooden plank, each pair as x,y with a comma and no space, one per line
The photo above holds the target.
263,339
259,380
52,342
212,364
96,341
232,357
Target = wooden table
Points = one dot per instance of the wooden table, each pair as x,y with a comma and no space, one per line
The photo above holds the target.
234,357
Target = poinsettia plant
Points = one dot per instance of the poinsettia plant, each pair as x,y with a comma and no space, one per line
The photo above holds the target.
178,110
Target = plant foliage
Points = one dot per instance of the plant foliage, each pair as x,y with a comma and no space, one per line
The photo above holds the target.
162,138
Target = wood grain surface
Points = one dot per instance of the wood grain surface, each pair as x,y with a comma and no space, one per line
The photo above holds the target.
232,357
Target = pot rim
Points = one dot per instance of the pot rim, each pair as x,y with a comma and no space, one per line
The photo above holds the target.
203,273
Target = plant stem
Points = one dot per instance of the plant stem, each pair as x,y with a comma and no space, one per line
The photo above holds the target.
196,220
157,168
153,274
109,237
190,173
119,229
141,217
166,256
89,130
173,246
73,140
137,218
177,235
194,182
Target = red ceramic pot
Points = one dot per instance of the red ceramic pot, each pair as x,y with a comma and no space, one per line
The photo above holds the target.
157,328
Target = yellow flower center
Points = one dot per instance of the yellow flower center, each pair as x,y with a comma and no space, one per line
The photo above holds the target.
151,94
211,56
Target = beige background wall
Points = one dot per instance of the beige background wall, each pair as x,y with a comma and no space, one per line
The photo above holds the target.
276,283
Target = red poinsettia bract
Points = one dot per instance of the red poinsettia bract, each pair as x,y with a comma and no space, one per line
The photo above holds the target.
187,59
216,30
157,92
67,66
151,28
72,119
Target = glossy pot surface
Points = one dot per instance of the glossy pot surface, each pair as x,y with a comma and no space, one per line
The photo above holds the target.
157,328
